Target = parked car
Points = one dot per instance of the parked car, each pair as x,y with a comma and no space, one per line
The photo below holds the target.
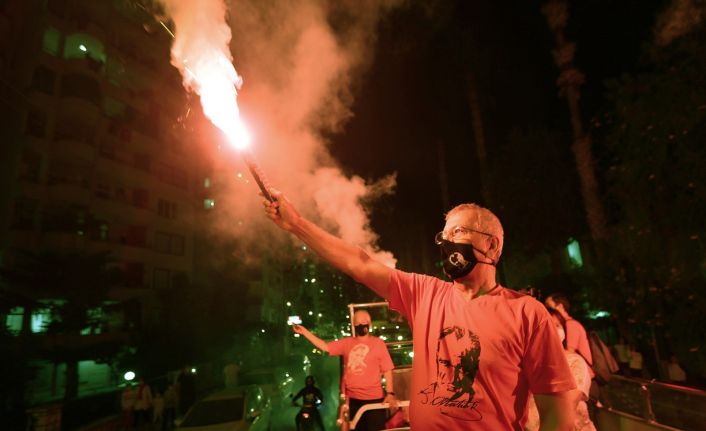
245,408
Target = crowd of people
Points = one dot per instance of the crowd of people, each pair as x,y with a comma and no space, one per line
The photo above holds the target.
145,409
485,356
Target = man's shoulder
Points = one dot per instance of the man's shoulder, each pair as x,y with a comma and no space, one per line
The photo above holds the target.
520,305
416,278
518,299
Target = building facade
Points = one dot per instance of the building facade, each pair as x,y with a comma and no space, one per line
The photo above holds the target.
94,158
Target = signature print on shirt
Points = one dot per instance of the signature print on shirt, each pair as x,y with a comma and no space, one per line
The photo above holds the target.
457,360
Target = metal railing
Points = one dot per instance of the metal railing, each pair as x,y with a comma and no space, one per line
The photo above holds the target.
656,402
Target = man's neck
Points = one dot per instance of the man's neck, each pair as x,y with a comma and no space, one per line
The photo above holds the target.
477,283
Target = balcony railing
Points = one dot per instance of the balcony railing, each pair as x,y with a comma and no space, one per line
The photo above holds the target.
657,403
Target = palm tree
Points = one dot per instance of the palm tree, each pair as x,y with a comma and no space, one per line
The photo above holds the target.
569,83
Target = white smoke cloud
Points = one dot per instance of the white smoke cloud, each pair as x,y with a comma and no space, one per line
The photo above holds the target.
300,61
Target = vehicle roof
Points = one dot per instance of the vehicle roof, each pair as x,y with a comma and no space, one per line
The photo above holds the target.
227,393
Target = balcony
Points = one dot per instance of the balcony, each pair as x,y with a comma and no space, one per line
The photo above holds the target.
81,94
74,149
69,193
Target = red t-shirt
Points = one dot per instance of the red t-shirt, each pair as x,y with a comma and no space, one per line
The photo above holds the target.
476,361
364,359
577,340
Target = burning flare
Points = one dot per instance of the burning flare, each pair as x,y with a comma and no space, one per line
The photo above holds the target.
201,53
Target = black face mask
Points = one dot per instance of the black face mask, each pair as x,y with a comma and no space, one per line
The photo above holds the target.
361,330
458,259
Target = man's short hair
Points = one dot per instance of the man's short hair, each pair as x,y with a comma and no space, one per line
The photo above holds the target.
562,299
483,220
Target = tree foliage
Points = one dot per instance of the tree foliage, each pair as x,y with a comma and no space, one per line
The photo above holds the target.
653,133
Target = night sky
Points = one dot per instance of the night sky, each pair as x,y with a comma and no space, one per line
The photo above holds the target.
413,100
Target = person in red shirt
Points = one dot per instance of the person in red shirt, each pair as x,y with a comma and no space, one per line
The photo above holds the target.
479,348
576,337
365,360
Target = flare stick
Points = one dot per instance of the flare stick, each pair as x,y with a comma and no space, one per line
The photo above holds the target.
257,173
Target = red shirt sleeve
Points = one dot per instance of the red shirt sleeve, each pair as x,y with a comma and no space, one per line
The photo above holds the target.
337,347
544,363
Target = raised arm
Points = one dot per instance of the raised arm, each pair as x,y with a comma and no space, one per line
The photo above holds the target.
346,257
313,339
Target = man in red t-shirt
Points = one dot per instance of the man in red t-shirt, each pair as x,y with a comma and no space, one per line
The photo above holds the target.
479,348
365,361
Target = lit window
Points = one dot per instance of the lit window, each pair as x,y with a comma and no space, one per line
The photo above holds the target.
573,249
50,41
13,320
40,320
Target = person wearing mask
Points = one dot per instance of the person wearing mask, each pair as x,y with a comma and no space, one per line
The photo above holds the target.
479,348
582,376
576,337
366,361
312,398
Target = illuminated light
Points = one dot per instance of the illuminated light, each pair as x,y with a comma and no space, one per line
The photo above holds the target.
382,337
296,335
193,371
382,328
129,376
83,48
597,314
209,203
262,330
313,280
573,249
411,354
321,291
397,327
289,304
320,314
206,182
400,338
304,247
311,313
240,175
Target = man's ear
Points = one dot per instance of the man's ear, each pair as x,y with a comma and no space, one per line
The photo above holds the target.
494,246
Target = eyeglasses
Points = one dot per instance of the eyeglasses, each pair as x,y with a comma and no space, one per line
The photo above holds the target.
456,233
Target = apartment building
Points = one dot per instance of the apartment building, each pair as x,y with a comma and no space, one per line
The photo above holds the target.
93,155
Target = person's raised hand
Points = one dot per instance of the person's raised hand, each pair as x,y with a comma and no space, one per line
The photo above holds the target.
281,211
299,329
